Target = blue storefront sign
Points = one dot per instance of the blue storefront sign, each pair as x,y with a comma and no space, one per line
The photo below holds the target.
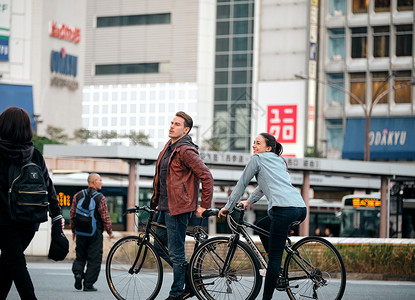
17,95
389,138
4,49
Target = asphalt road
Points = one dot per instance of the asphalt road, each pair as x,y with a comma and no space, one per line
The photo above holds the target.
55,281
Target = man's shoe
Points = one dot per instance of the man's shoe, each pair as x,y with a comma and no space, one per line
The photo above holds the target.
90,289
78,281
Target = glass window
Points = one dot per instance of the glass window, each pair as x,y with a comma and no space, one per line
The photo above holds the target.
336,44
334,136
240,10
133,20
239,94
240,60
126,69
359,42
338,7
380,83
241,27
382,5
221,77
240,44
222,44
360,6
223,12
222,28
404,40
222,61
381,41
403,94
221,94
405,5
239,77
358,87
114,108
335,95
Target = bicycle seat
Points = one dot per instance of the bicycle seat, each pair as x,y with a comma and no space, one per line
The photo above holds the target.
209,212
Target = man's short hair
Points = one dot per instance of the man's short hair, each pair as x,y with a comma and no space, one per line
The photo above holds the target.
188,121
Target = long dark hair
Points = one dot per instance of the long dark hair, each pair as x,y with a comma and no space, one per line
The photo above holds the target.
272,142
15,125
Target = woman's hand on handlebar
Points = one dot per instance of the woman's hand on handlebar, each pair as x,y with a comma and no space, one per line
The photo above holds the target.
244,203
223,212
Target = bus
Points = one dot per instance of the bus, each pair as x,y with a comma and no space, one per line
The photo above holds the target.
360,215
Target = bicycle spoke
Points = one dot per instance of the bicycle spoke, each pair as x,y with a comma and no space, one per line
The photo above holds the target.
318,272
128,281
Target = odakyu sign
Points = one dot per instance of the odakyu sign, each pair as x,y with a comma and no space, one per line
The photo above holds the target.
63,63
389,138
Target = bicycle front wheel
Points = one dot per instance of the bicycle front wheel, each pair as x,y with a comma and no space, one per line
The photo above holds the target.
212,280
315,270
133,269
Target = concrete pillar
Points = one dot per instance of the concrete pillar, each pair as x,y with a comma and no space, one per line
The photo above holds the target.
384,211
305,193
131,194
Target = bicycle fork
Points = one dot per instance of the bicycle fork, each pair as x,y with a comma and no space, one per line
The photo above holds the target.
226,270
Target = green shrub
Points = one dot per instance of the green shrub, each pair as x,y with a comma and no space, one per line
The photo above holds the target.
378,258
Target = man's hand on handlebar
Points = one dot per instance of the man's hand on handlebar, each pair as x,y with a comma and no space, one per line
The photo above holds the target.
199,211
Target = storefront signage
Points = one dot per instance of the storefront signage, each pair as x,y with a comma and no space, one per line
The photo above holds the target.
389,138
64,32
4,29
282,122
64,68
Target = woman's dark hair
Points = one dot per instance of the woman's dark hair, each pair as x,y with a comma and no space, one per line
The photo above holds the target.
188,121
15,125
272,142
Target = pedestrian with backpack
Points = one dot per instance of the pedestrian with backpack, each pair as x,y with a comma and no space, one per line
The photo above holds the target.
27,195
89,218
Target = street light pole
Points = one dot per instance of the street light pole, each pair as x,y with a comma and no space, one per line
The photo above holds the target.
367,113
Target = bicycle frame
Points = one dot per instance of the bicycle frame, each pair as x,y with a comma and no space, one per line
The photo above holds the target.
199,235
238,227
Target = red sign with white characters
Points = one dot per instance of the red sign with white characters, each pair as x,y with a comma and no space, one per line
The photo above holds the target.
282,122
65,32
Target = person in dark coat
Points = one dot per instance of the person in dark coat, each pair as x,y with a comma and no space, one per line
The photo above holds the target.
16,147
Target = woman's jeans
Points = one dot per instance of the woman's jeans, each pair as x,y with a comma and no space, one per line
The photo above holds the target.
281,218
174,237
13,268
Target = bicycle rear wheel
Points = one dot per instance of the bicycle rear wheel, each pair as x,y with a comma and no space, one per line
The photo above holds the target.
127,280
241,281
324,276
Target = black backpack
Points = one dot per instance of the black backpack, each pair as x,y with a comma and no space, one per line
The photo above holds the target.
28,195
85,220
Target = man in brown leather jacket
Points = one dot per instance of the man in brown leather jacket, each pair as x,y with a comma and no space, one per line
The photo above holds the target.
179,171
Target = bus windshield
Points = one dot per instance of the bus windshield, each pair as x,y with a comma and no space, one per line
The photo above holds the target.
360,223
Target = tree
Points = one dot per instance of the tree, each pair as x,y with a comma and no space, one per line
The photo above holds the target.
39,141
138,138
83,135
56,133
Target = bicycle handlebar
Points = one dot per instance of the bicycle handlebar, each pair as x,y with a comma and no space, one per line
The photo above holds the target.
206,214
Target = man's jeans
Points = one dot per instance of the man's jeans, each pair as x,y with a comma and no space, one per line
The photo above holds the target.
174,237
281,218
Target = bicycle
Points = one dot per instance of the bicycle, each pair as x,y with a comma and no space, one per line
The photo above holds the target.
134,269
227,268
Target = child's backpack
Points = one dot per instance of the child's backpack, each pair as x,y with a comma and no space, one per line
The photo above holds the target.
28,193
85,220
